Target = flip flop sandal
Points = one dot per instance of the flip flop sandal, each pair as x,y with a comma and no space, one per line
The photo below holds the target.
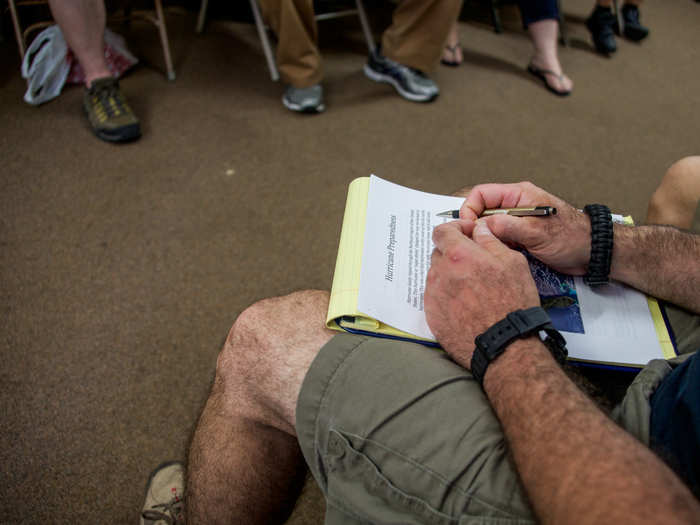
542,75
452,49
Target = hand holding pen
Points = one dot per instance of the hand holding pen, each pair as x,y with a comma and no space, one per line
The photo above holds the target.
536,211
562,241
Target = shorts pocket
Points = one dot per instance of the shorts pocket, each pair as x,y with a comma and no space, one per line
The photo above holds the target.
361,488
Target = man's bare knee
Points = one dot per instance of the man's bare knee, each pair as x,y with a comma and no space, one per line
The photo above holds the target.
676,198
267,353
687,165
277,327
682,176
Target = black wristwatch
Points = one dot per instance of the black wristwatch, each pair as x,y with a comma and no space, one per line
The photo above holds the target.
601,244
518,324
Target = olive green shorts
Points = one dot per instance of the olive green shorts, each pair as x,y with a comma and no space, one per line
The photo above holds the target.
397,433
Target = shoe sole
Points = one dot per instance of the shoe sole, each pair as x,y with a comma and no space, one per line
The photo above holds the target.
309,110
450,63
127,134
605,51
635,35
379,77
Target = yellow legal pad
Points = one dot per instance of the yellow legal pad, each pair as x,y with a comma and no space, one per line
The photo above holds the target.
342,309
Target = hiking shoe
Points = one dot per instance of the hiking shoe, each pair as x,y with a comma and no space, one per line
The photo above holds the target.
304,100
110,116
632,29
410,83
165,496
602,24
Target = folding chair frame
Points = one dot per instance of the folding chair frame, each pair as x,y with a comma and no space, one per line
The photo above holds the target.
262,28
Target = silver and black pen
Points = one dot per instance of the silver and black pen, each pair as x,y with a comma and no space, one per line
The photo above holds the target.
535,211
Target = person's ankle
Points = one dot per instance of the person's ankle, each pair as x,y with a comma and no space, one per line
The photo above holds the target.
546,61
96,75
452,39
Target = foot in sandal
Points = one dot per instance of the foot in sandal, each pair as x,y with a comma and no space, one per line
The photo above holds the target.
452,53
550,73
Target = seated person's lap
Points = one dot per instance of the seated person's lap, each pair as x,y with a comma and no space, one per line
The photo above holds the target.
397,431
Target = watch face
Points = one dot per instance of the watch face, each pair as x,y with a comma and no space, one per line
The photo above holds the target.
494,341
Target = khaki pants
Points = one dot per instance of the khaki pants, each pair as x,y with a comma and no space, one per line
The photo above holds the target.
415,38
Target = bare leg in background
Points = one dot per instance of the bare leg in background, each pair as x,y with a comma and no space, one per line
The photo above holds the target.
676,199
245,465
453,50
82,23
544,34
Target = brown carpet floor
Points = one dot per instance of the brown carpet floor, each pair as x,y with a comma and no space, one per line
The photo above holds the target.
123,267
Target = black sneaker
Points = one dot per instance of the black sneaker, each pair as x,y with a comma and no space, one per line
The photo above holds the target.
602,24
110,116
632,28
410,83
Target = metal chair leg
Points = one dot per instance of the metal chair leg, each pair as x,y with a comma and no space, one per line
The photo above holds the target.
18,32
201,20
563,36
365,26
618,16
162,30
496,17
265,40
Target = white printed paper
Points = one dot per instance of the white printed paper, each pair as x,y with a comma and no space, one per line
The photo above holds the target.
396,256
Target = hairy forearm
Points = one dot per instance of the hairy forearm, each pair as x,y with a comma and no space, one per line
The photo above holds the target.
577,466
659,260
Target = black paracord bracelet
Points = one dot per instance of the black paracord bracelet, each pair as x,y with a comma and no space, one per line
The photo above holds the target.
601,244
518,324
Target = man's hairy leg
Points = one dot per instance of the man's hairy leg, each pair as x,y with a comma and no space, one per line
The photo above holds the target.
675,200
245,465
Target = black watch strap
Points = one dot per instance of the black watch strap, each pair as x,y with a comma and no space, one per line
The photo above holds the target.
601,244
518,324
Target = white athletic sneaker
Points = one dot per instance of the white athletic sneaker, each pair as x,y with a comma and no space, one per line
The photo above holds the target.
165,496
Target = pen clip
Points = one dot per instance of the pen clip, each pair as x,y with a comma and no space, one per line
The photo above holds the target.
531,212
